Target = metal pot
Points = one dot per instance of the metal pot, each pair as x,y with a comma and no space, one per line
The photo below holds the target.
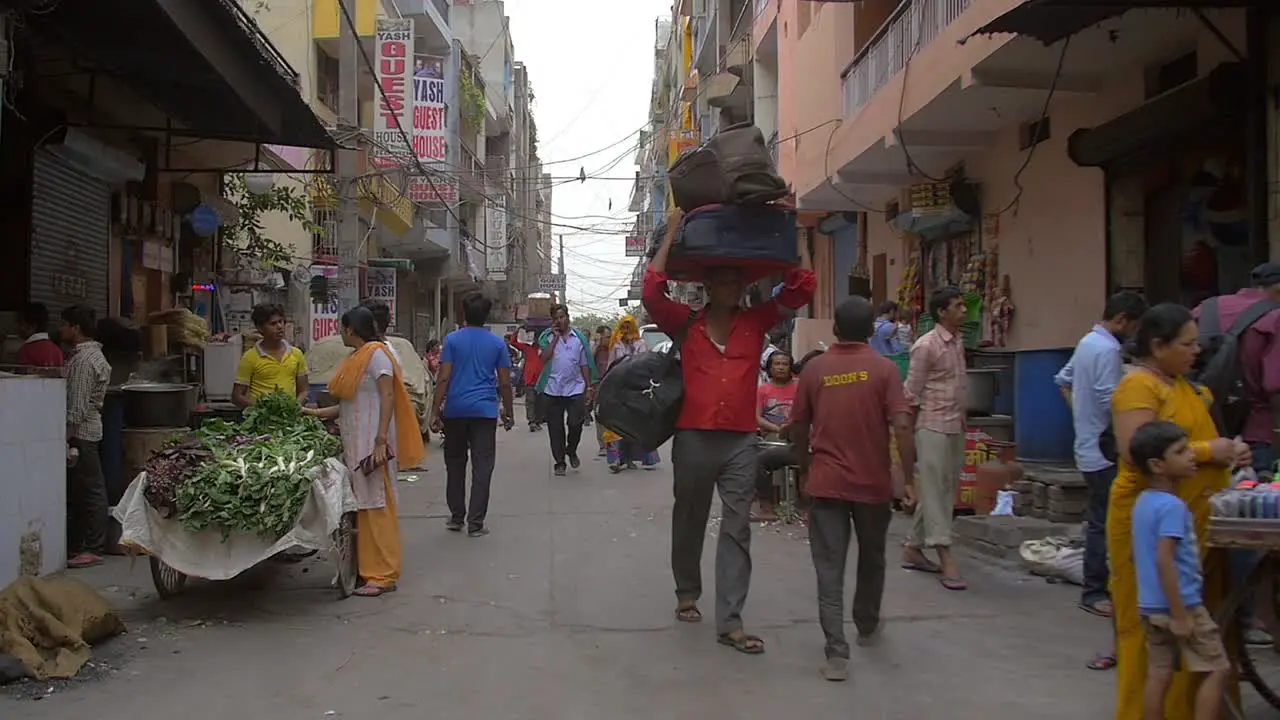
982,388
158,405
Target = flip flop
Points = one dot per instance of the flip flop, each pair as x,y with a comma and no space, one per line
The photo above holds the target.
374,590
953,583
1102,662
924,566
745,643
689,614
1100,608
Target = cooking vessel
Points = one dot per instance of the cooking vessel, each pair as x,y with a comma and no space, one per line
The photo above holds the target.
158,405
983,384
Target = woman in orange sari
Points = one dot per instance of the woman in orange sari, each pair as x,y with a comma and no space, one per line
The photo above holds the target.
1157,389
379,435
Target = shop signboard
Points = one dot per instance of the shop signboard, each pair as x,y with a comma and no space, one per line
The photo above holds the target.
380,285
551,283
977,450
495,239
430,132
391,121
324,315
635,246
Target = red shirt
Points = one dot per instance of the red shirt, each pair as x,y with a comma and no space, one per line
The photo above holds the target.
719,387
1259,358
40,351
848,396
774,401
532,361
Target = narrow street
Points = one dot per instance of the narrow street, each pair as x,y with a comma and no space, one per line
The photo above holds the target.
565,611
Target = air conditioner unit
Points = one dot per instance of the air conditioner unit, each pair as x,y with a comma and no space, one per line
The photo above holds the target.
98,159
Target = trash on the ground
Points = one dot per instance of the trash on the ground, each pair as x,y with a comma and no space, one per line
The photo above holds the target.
1055,557
1004,502
49,624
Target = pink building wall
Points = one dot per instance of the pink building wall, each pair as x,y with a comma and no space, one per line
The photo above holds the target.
1053,246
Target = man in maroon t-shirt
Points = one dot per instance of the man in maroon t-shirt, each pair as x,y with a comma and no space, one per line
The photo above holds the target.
849,398
37,351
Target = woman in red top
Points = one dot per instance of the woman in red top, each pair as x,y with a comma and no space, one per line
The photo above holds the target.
773,410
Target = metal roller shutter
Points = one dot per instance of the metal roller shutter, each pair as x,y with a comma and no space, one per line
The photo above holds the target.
70,236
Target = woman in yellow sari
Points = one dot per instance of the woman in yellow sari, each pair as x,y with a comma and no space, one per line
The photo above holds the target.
1157,389
379,435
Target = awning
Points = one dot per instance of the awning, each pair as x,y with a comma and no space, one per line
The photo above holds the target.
394,263
204,63
1052,20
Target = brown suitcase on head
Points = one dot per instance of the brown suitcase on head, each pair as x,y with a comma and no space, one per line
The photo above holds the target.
733,167
696,179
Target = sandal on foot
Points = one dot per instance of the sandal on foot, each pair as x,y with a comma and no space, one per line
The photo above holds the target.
923,565
953,583
743,643
1102,662
690,614
374,590
1101,608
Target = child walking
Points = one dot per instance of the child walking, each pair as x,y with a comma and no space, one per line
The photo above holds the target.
1180,632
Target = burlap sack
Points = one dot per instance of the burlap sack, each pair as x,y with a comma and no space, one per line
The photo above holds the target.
50,624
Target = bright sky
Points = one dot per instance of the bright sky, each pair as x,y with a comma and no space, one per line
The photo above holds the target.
591,66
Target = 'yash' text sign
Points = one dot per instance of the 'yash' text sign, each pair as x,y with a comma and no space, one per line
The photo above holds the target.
394,74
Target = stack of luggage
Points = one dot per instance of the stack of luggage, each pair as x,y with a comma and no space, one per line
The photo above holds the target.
730,190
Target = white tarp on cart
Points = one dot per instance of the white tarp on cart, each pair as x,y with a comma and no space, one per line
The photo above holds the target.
206,555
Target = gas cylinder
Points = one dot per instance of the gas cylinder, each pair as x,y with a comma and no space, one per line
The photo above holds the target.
997,473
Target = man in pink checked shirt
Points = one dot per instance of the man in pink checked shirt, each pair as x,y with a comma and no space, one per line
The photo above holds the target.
936,389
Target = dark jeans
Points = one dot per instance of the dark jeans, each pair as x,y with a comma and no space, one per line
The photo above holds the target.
87,507
533,405
832,524
477,437
771,460
1096,572
702,462
565,416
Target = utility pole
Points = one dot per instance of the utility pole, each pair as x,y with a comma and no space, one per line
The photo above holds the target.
564,290
347,164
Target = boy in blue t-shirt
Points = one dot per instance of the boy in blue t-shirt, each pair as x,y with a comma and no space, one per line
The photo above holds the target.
1181,635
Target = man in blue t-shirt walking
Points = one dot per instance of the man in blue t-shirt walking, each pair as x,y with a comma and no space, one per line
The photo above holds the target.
475,369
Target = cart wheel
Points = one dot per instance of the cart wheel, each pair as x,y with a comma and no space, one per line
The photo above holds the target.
344,554
168,581
1251,669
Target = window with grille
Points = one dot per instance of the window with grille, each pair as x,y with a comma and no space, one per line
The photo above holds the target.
324,235
326,79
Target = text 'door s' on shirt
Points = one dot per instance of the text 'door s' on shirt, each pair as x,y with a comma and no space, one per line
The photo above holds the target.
848,396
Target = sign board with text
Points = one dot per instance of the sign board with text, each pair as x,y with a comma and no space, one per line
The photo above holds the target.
380,285
551,283
324,315
635,246
394,49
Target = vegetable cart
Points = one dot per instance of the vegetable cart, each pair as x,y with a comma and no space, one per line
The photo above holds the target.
326,522
1260,666
217,501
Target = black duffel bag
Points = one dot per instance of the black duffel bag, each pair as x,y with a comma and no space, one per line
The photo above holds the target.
640,398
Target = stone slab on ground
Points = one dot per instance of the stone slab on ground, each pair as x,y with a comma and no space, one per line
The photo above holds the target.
1056,475
1008,531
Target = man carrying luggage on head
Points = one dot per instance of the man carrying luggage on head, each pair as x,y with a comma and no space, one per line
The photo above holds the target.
715,441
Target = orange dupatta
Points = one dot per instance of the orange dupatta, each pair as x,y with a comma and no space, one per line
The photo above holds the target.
346,380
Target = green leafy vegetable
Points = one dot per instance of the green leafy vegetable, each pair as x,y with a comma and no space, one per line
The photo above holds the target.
259,473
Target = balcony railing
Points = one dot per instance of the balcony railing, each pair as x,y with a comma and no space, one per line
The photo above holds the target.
912,26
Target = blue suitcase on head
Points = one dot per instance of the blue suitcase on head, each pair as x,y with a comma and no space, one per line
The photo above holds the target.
759,239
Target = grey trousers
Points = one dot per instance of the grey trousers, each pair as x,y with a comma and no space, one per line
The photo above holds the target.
832,524
702,462
939,458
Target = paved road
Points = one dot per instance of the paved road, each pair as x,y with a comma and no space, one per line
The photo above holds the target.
565,613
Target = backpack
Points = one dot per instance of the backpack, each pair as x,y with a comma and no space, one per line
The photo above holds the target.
1220,368
641,396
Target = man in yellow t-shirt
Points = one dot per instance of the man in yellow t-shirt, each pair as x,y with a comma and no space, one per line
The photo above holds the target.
272,365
